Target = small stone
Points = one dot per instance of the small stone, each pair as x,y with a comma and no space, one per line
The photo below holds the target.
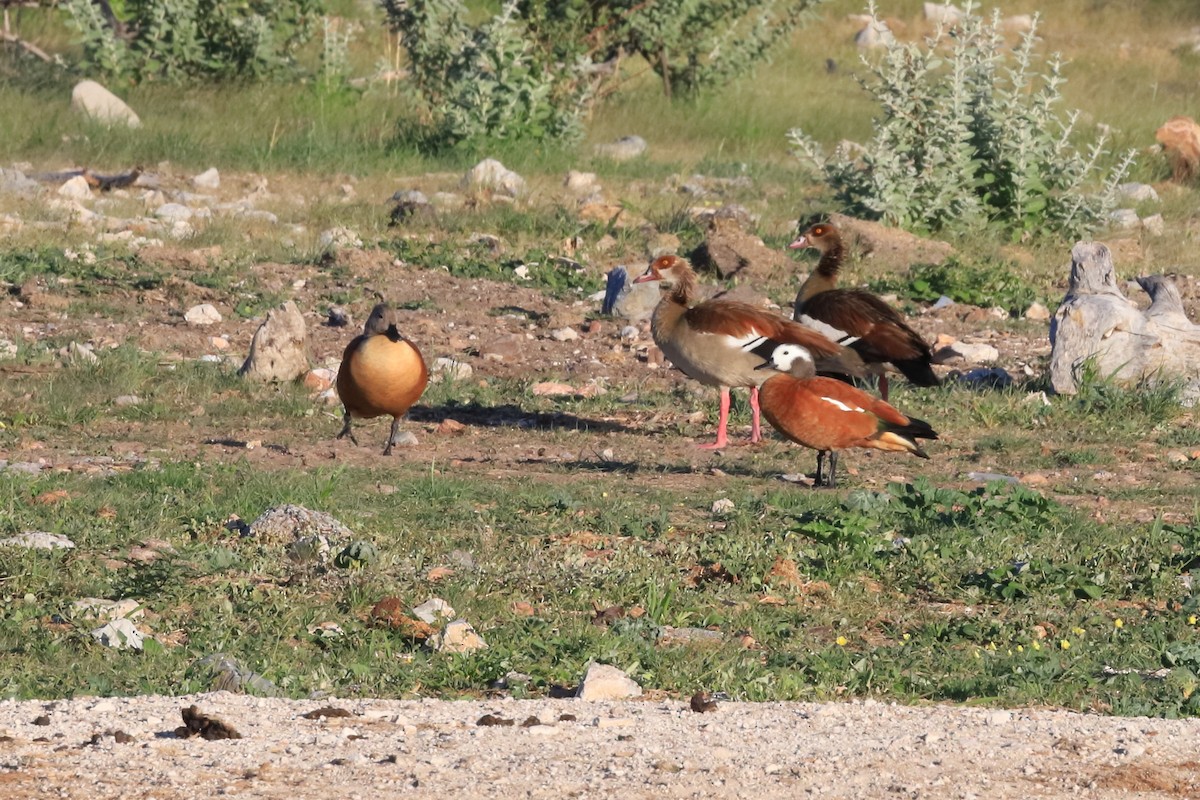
36,540
173,212
434,610
203,314
491,174
219,343
405,439
81,353
973,353
1037,312
722,506
941,302
209,179
552,389
120,634
1154,225
875,34
1123,219
319,379
1177,457
339,238
564,334
997,719
100,609
76,188
1017,23
606,682
1137,193
450,369
102,105
942,13
127,400
629,333
581,183
623,149
458,637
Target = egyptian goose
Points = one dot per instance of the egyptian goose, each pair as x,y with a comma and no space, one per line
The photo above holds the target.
874,329
722,342
829,415
381,373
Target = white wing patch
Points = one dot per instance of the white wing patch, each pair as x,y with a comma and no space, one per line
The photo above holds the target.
748,342
828,331
843,406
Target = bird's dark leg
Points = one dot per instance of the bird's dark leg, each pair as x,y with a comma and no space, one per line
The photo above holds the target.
346,429
820,467
387,451
883,386
832,481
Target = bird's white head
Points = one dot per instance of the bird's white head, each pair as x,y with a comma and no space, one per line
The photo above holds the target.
787,356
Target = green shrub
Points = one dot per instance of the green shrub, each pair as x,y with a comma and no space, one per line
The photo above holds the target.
970,135
487,81
189,39
691,46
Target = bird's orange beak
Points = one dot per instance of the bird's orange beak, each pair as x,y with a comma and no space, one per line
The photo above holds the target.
647,276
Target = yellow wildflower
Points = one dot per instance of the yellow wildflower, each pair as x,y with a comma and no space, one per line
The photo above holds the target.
1118,623
842,641
1064,644
1192,619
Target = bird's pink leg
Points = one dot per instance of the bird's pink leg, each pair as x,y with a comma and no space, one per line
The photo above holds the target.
755,417
722,425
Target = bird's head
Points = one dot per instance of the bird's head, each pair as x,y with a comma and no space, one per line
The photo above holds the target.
822,236
792,359
668,270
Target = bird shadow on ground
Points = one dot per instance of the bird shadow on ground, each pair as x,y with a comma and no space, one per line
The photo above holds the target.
510,415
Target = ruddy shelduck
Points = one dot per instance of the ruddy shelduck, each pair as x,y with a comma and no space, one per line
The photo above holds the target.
829,415
382,373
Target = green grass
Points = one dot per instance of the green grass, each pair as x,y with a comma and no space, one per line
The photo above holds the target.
912,593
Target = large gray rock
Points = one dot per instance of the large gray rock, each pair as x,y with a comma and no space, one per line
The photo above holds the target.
279,350
102,105
623,149
1097,323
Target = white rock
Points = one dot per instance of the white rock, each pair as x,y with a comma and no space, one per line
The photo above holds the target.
433,611
339,238
875,34
37,540
942,13
8,349
1154,225
450,369
102,105
120,634
491,174
76,188
126,400
996,719
209,179
581,182
80,353
629,333
100,609
405,439
623,149
458,637
564,335
722,506
173,212
606,682
973,353
1017,23
1137,192
279,348
203,314
1037,311
1123,219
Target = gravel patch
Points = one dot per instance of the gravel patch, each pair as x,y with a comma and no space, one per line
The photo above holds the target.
134,748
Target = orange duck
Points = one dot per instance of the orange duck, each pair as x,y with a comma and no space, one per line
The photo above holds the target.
381,373
722,342
829,415
874,329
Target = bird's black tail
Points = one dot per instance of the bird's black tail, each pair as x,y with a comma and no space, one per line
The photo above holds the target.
918,371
